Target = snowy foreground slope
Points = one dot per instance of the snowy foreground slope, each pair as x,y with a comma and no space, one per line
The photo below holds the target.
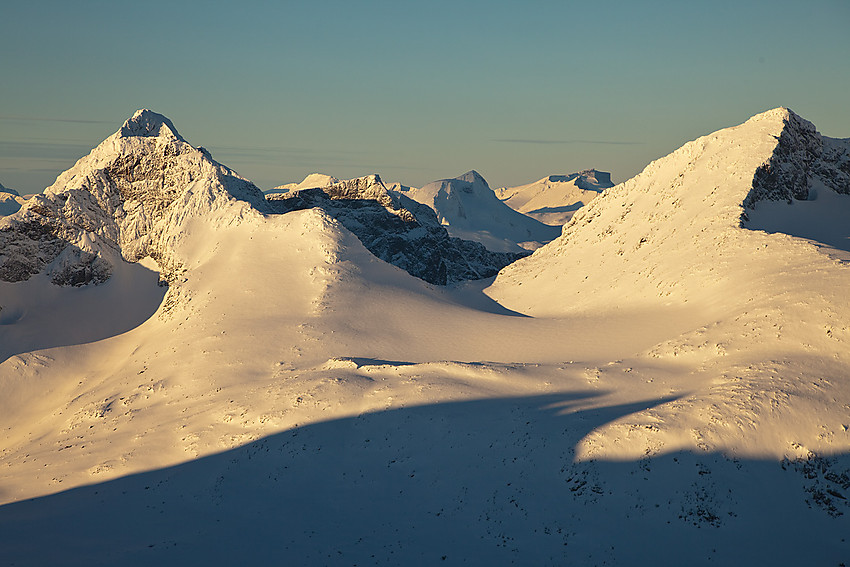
660,385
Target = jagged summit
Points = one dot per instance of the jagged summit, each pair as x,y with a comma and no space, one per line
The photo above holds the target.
149,124
778,113
131,197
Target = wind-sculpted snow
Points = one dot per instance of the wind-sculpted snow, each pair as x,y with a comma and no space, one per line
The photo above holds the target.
398,230
130,198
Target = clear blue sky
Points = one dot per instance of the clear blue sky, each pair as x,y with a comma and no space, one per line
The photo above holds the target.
413,91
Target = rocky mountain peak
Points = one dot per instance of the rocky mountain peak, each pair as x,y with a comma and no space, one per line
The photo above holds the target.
130,198
801,158
149,124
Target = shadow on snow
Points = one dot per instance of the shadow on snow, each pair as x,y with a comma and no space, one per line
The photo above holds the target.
476,482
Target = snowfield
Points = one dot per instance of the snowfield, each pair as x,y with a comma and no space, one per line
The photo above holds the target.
666,382
555,198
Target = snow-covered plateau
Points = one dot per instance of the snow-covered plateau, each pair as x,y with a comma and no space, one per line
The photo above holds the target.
195,373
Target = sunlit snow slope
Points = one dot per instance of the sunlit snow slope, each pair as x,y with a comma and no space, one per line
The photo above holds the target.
664,383
555,198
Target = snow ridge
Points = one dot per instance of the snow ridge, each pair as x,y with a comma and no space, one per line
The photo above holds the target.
662,234
802,158
312,181
9,191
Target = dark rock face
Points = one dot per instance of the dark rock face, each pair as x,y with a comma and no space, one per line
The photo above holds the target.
398,230
801,156
28,246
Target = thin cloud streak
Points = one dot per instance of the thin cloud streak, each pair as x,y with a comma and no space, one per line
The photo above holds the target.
48,119
565,142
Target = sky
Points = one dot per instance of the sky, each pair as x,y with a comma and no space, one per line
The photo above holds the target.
413,91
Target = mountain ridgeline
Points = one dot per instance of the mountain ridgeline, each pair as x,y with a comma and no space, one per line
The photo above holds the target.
398,230
135,195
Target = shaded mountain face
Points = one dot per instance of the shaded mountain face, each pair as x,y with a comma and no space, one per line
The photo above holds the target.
10,201
130,198
802,159
398,230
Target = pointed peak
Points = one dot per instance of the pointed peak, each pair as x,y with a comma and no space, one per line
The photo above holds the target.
149,124
785,115
472,176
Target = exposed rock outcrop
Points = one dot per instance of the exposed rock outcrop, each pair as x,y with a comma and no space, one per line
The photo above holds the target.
398,230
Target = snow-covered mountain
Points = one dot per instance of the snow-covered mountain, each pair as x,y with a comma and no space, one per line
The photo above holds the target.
10,201
554,199
312,181
398,230
9,191
134,196
673,238
470,209
666,379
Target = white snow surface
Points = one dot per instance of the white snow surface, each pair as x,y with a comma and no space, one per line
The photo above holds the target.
658,385
312,181
469,209
554,199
